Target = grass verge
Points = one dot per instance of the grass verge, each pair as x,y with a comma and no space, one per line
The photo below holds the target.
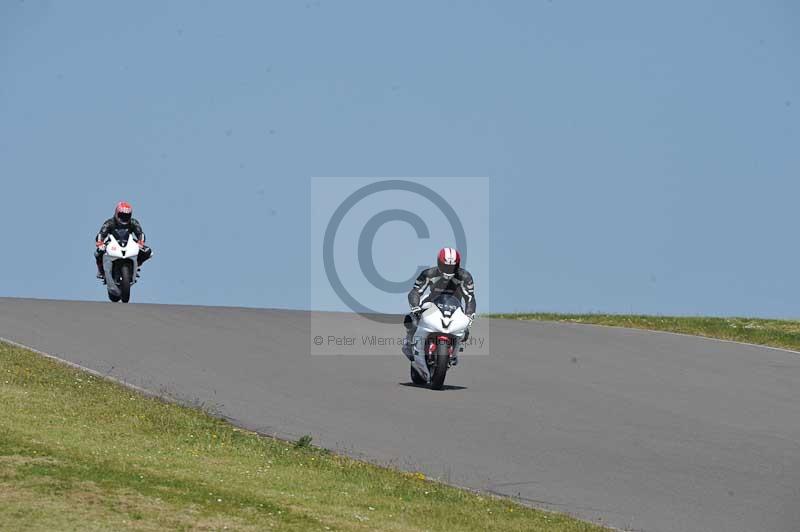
78,452
774,333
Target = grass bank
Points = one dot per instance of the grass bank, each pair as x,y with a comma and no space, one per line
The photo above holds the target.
79,452
774,333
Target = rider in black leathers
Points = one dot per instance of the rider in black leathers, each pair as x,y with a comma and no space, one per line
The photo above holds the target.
122,219
447,277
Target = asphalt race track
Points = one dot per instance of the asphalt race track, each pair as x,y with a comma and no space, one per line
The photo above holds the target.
646,431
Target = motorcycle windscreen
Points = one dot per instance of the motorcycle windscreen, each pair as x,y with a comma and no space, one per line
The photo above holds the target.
447,304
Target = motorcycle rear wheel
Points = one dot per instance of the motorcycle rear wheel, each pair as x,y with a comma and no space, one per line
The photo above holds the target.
416,378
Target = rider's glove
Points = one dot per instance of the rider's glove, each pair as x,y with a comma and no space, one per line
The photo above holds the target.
416,310
141,244
100,245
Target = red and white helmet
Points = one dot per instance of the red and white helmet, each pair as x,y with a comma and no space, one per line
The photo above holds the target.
448,262
123,213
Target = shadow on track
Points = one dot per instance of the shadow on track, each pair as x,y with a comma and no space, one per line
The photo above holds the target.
445,388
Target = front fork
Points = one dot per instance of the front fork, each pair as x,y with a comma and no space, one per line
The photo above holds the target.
454,348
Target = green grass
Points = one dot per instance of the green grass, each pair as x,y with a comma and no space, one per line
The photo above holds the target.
78,452
775,333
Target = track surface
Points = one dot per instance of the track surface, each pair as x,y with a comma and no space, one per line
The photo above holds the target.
646,431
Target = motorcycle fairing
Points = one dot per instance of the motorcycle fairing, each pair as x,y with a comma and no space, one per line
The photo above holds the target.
115,250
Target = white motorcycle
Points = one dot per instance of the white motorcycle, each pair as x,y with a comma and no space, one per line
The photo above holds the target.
441,329
120,264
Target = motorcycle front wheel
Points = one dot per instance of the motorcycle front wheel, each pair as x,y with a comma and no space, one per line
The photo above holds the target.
440,370
125,283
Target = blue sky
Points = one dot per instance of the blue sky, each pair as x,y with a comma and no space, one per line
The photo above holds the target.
643,157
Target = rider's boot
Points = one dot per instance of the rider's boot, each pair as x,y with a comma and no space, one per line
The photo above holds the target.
101,274
408,346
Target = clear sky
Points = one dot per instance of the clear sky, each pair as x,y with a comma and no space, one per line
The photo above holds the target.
643,156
